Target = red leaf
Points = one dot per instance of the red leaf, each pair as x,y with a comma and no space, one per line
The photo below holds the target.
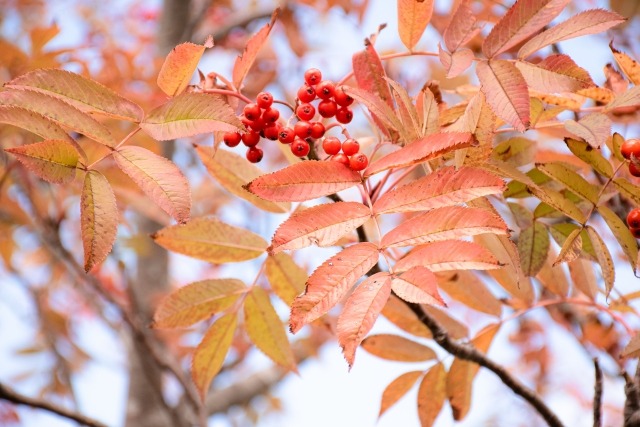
331,281
98,217
418,285
304,181
381,110
462,27
413,18
505,91
245,61
361,311
522,20
53,160
322,225
556,73
449,255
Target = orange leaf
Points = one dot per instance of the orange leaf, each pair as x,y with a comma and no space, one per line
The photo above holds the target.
505,91
406,110
53,160
245,60
449,255
466,288
432,394
322,225
397,312
629,98
211,240
286,278
628,65
33,122
211,352
179,66
397,348
418,285
556,73
397,389
197,301
360,313
264,327
522,20
462,27
330,282
159,178
413,18
632,349
98,217
583,277
304,181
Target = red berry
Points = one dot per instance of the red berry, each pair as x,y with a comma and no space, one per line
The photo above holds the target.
340,158
306,93
231,139
630,146
317,130
302,129
272,131
286,135
633,219
325,89
258,124
327,108
358,162
350,147
300,147
254,154
312,76
245,121
633,169
264,100
270,115
305,111
635,232
344,115
251,138
331,145
341,97
251,111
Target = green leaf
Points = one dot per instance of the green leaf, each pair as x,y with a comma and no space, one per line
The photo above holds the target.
627,189
559,202
52,160
591,156
533,247
570,179
621,232
561,231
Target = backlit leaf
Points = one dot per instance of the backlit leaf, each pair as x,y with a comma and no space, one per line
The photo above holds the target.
432,394
413,18
286,278
448,255
211,352
380,109
304,181
53,160
457,62
406,110
558,201
570,179
246,59
190,114
87,95
196,302
552,277
585,152
428,113
398,312
98,218
361,311
533,246
417,285
462,26
571,248
33,122
594,128
466,288
517,151
556,73
560,232
370,74
179,66
321,225
583,277
159,178
628,65
629,98
604,259
397,348
621,232
211,240
397,389
330,282
627,189
265,329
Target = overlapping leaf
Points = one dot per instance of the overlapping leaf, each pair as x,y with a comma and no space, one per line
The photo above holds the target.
53,160
413,18
533,247
558,201
98,218
621,232
397,348
457,62
247,58
380,109
406,110
570,179
556,73
370,74
630,98
449,255
417,285
33,122
462,27
594,128
179,66
286,278
583,277
466,288
585,152
398,312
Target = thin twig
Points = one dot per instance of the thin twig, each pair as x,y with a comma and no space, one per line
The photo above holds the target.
597,395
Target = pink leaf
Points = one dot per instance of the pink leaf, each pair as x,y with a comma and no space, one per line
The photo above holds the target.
522,20
245,61
304,181
457,62
52,160
462,27
33,122
449,255
330,282
418,285
505,91
413,18
594,128
428,148
585,23
630,98
376,105
361,311
322,225
159,178
557,73
98,217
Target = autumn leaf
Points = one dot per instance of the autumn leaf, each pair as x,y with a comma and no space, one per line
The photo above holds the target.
627,189
98,218
466,288
360,313
286,278
628,65
322,225
413,18
583,277
594,128
432,394
428,113
397,389
304,181
190,114
552,277
33,122
158,178
247,58
533,246
556,73
462,27
330,282
179,66
630,98
397,348
53,160
406,111
585,152
417,285
621,232
448,255
632,349
570,179
457,62
380,109
604,259
209,239
557,201
369,73
399,314
571,248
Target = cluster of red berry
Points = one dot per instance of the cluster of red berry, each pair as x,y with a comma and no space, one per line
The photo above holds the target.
631,147
349,156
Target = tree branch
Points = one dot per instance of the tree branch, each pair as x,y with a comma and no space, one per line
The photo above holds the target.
11,395
597,395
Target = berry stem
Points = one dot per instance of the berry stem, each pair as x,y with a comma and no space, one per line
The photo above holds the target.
285,103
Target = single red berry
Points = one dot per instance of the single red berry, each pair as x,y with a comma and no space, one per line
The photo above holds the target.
270,115
264,100
272,131
231,139
251,111
325,89
340,158
317,130
633,169
344,115
258,124
254,154
635,232
358,162
327,108
341,97
630,146
350,147
633,219
306,93
331,145
312,76
251,138
245,121
286,135
305,111
302,129
300,147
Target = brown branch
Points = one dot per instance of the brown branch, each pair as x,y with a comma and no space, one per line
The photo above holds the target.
11,395
597,395
632,403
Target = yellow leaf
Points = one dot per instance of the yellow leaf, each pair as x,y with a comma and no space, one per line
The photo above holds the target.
179,66
286,278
